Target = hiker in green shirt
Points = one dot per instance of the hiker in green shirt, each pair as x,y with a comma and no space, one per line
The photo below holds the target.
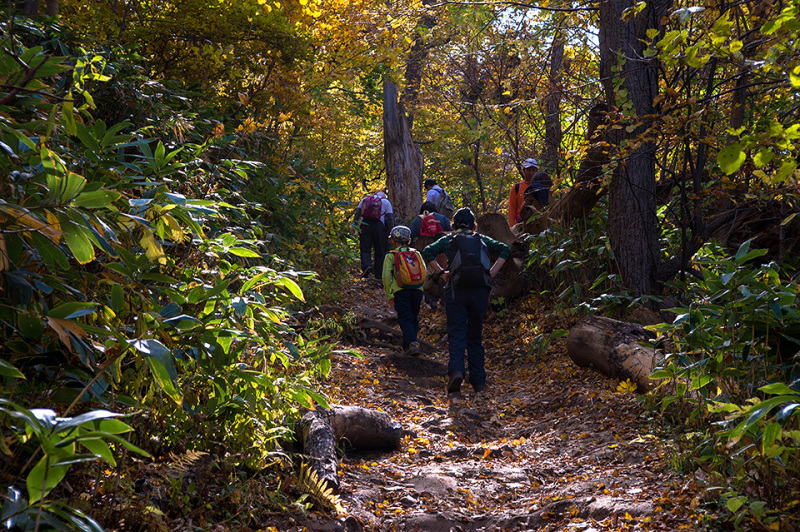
466,296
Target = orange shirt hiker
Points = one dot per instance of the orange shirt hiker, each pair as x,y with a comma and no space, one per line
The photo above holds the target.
517,195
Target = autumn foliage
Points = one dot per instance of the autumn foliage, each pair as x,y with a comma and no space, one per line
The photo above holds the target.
177,182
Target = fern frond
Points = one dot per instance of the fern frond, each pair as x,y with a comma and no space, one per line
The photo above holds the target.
319,490
181,463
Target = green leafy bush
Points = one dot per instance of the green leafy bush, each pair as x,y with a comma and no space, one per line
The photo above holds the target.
123,289
732,365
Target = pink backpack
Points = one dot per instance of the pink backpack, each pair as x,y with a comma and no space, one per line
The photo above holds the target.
371,208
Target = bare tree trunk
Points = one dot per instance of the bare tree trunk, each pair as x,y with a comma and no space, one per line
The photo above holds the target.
416,60
51,8
476,167
552,120
403,158
632,220
31,8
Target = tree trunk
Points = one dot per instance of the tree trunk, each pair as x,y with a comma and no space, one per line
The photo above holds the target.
414,63
510,282
610,347
403,158
51,8
631,84
552,119
31,8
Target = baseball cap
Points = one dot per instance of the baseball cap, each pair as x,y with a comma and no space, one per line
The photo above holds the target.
530,163
400,233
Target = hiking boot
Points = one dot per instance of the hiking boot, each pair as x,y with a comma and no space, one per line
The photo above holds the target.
412,349
366,273
454,382
479,388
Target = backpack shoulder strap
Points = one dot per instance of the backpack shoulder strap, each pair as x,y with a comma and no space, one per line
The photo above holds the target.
516,188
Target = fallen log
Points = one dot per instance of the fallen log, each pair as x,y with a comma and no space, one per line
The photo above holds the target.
319,444
510,281
611,347
358,428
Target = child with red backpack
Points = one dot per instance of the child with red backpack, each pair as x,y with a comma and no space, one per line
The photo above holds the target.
404,274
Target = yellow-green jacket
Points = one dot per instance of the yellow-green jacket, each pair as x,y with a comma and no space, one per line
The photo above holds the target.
389,281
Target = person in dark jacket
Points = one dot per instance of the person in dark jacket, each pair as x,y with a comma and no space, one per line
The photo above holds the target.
468,283
373,234
428,208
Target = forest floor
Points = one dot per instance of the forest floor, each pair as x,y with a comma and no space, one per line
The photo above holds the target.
549,446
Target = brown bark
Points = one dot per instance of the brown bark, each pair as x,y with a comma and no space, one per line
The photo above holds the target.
51,8
632,220
552,119
358,428
610,347
403,158
510,281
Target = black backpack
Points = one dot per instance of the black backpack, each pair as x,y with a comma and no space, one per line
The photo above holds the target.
468,260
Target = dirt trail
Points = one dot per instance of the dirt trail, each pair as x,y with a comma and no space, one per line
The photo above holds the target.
549,446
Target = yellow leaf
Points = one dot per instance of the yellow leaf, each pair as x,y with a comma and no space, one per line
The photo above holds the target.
152,248
174,228
627,387
52,220
26,220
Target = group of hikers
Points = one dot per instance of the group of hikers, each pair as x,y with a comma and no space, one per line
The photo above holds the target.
467,276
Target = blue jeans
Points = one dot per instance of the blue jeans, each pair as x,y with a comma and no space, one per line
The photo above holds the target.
466,310
406,303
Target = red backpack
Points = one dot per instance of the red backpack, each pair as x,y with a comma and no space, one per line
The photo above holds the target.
430,226
371,208
409,269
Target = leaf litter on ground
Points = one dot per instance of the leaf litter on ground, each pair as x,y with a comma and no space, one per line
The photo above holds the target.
549,446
